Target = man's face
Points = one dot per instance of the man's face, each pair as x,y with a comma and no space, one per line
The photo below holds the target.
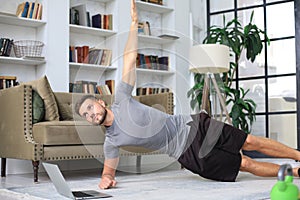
93,111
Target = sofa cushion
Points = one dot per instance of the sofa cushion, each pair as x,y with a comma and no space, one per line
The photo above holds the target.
38,109
67,133
43,88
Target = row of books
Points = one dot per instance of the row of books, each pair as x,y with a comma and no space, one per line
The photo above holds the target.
102,21
144,28
80,16
152,62
8,81
85,54
31,10
5,46
151,90
159,2
91,87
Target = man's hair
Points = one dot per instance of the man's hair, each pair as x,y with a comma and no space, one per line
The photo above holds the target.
81,100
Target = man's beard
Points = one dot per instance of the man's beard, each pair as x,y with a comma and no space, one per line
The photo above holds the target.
104,117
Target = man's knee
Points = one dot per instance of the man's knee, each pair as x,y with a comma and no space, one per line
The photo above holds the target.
246,163
251,142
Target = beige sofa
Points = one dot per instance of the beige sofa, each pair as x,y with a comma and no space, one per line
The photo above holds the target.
66,138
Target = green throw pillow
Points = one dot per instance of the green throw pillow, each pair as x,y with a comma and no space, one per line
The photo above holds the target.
38,109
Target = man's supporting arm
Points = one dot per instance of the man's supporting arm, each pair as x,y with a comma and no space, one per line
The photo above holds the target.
130,51
109,173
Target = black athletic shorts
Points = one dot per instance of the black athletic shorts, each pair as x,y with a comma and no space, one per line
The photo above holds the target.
213,149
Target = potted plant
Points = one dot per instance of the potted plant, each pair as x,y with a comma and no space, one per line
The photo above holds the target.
238,39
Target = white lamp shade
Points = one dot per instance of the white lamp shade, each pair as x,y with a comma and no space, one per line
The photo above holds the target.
209,58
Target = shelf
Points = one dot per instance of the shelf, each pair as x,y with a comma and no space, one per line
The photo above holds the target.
103,1
154,39
91,30
151,7
155,72
19,21
20,61
91,66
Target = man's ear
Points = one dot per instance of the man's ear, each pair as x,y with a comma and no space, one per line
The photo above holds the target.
101,102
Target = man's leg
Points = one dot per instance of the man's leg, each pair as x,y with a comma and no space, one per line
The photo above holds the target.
268,147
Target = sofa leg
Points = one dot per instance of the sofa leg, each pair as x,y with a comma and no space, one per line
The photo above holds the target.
3,167
138,164
35,165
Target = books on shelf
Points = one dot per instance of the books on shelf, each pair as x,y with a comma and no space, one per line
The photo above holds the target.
5,46
150,90
102,21
144,28
159,2
152,62
8,81
31,10
80,16
90,87
95,56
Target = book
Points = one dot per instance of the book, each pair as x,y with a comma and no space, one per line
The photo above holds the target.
20,9
82,14
96,21
25,10
34,12
39,12
30,10
85,54
111,85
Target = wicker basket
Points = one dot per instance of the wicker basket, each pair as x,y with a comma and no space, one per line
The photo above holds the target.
28,48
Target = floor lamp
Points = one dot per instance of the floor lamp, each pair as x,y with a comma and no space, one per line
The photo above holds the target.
210,59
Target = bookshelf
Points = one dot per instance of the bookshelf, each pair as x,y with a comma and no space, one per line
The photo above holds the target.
97,38
91,31
20,28
161,19
18,21
20,61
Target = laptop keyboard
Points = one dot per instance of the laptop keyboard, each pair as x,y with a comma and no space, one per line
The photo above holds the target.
81,194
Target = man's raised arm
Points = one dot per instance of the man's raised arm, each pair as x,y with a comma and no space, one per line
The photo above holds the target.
130,52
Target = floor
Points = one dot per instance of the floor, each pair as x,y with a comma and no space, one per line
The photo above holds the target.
166,183
25,180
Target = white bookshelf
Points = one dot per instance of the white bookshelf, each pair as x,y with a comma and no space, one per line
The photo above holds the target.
91,67
20,61
20,21
154,39
91,31
155,72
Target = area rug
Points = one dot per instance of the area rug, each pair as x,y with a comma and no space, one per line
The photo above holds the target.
175,185
11,195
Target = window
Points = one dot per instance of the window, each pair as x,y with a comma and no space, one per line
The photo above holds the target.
271,78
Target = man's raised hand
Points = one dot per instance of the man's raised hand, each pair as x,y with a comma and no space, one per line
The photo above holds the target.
134,15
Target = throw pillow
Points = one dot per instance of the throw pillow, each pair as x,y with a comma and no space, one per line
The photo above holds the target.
43,88
38,109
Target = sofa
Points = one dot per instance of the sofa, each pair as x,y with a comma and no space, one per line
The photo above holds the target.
63,137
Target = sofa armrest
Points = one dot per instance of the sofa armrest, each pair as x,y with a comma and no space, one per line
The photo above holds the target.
16,123
161,101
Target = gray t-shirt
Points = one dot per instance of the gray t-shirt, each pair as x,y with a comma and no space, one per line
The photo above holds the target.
136,124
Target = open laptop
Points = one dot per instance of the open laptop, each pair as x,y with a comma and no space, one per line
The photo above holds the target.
63,188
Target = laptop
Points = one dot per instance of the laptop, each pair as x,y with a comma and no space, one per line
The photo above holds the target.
63,188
